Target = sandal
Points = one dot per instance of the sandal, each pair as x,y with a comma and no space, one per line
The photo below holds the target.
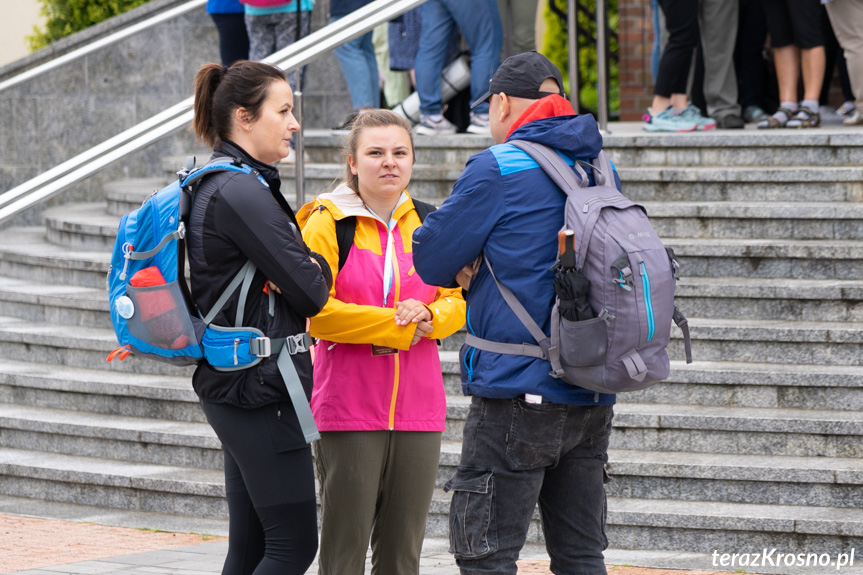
772,122
804,118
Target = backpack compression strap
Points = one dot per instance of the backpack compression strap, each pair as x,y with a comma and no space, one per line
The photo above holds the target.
347,227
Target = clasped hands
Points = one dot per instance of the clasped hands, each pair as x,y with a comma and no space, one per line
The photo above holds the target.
412,311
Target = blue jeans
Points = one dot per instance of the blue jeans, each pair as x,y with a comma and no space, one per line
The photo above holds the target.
360,68
479,22
515,455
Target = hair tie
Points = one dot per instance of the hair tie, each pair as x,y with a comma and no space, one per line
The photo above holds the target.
224,71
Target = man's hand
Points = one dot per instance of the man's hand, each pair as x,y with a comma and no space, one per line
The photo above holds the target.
423,329
465,275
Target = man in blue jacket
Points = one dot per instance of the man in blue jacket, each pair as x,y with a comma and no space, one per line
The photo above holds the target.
528,437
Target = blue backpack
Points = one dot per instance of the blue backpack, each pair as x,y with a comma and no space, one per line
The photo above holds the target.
152,309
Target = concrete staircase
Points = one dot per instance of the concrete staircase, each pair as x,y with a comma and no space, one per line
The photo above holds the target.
757,444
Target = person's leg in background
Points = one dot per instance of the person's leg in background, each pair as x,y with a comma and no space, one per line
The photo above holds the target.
718,24
262,35
669,93
847,19
437,29
233,38
406,492
358,64
786,58
810,41
749,61
479,23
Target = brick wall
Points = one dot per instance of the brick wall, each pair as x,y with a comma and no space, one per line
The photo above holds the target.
635,31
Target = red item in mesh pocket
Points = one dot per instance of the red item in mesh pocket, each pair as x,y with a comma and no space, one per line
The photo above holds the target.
158,310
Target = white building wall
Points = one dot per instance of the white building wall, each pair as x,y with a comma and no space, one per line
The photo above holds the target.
19,18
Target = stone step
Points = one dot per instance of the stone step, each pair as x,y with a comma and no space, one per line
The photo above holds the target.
102,515
762,220
741,148
123,196
54,303
74,347
802,343
25,254
738,430
749,384
733,478
112,483
81,226
754,479
764,258
746,298
703,526
98,391
131,439
707,526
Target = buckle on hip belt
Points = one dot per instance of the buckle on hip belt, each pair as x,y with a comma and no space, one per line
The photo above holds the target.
298,343
260,346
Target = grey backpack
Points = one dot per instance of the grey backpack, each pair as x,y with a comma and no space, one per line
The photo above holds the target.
631,278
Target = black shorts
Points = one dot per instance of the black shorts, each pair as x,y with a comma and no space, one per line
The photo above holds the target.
794,22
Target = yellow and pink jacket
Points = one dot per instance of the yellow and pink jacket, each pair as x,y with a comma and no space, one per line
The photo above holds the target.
354,390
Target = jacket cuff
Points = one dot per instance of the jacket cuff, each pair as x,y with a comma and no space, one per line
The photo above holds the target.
325,268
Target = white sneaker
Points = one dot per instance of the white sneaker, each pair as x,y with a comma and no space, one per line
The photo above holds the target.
431,126
479,124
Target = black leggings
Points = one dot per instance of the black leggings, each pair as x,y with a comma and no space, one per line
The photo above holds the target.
681,20
233,38
270,492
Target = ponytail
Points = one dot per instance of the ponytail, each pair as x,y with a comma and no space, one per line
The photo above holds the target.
220,90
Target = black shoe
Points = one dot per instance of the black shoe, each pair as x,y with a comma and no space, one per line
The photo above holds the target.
730,122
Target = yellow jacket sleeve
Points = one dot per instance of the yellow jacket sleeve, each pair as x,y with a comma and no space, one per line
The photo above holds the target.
448,312
347,322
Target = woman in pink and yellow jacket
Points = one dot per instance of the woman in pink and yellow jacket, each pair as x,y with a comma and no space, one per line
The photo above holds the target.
378,399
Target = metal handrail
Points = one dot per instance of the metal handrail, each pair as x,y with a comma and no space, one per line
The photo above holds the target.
102,42
177,117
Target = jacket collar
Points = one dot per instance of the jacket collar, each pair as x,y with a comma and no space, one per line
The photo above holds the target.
232,150
344,202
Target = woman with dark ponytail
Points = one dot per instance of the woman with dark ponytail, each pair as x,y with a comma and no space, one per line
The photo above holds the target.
244,112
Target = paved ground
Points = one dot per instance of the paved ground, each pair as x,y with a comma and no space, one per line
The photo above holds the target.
35,546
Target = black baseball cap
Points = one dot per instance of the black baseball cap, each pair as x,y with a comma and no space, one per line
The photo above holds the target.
521,76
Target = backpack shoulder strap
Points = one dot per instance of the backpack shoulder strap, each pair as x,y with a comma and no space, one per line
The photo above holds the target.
556,168
423,209
346,228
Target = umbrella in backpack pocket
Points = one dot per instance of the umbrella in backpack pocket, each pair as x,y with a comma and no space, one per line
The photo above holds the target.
570,284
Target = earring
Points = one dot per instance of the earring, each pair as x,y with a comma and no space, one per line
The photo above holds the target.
250,128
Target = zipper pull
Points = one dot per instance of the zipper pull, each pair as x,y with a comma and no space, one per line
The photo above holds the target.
127,255
236,345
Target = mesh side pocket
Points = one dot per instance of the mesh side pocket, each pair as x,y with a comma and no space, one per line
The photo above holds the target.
583,343
160,317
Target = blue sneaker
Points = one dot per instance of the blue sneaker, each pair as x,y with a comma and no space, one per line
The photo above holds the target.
693,114
667,121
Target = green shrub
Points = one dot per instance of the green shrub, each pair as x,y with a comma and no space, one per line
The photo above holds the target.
65,17
555,46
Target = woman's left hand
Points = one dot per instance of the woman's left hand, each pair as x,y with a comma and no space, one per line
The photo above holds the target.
411,311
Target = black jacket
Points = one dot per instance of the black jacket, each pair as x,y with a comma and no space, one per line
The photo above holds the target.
235,218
